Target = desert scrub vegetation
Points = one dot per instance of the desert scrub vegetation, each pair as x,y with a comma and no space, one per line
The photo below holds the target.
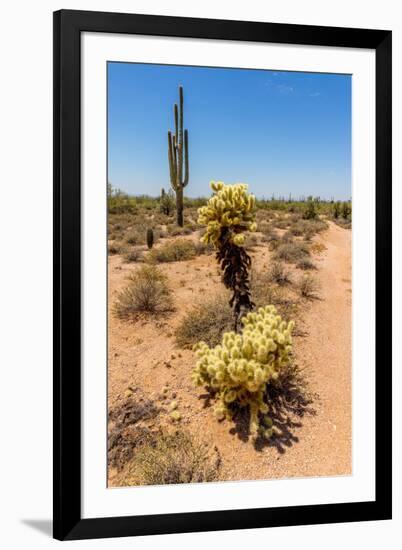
278,274
282,297
127,426
308,286
239,370
166,458
133,255
292,252
306,264
206,321
174,251
115,248
147,292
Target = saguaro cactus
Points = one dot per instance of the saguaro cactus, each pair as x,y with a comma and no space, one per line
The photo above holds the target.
150,238
178,155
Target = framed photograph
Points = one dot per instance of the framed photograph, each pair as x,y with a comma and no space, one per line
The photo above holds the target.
222,275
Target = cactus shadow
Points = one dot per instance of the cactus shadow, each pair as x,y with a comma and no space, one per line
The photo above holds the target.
289,402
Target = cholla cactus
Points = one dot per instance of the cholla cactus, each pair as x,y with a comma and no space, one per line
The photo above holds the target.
232,209
228,215
240,369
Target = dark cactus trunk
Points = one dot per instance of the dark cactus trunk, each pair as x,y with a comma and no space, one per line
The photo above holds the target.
235,263
179,207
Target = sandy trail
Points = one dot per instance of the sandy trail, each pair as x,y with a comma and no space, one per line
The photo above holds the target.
144,354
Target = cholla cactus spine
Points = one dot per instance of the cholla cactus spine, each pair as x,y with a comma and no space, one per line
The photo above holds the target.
241,367
178,155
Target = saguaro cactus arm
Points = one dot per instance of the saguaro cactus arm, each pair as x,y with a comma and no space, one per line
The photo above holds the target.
186,167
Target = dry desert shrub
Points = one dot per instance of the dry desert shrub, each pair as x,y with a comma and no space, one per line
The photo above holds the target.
278,274
147,291
134,255
273,240
265,293
308,286
115,248
318,248
306,264
206,321
174,251
171,458
292,252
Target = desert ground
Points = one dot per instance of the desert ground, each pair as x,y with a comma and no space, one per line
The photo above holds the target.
149,363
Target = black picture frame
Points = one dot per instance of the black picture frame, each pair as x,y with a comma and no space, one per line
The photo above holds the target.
68,26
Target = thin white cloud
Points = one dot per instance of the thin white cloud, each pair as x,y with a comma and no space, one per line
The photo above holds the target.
284,89
315,94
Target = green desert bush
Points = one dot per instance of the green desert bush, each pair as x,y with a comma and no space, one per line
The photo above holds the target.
240,369
206,321
175,251
147,291
168,458
278,274
310,212
292,252
308,286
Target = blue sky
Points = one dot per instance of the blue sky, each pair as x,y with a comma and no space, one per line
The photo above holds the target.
280,132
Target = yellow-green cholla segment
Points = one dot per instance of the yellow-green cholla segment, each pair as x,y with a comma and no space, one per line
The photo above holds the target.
241,367
231,206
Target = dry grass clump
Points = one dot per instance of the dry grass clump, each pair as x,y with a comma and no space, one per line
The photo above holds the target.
206,321
202,248
146,292
175,251
175,231
168,458
318,248
134,255
287,237
135,237
115,248
265,293
292,252
278,274
306,264
273,240
281,223
308,286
